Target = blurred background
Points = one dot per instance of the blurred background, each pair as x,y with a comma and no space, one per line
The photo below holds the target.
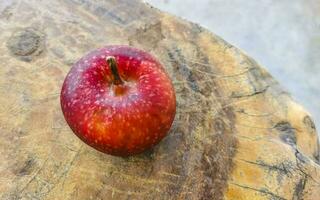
283,36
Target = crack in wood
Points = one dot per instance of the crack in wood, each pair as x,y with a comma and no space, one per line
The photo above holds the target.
263,191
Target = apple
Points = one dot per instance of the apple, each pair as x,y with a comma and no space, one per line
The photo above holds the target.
119,100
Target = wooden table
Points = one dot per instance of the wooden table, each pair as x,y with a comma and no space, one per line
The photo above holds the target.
237,134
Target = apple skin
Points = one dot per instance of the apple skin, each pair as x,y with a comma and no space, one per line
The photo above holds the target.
119,119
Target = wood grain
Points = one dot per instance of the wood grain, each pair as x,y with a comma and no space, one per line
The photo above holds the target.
237,134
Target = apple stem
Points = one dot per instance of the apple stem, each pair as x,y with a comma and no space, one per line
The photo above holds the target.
114,70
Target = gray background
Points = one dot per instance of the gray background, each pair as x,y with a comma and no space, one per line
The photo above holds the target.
282,35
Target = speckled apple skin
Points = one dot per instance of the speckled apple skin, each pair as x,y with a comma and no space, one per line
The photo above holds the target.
124,123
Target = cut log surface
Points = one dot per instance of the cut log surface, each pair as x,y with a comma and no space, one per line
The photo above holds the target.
236,135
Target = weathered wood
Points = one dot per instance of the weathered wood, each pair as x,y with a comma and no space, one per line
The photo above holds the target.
236,135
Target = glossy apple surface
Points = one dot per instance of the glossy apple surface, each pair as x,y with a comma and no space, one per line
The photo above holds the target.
119,100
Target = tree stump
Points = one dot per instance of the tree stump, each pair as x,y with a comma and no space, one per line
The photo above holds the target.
236,135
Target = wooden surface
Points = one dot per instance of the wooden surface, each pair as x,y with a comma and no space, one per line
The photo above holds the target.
236,135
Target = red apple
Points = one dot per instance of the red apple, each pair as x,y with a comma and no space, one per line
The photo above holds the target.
119,100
